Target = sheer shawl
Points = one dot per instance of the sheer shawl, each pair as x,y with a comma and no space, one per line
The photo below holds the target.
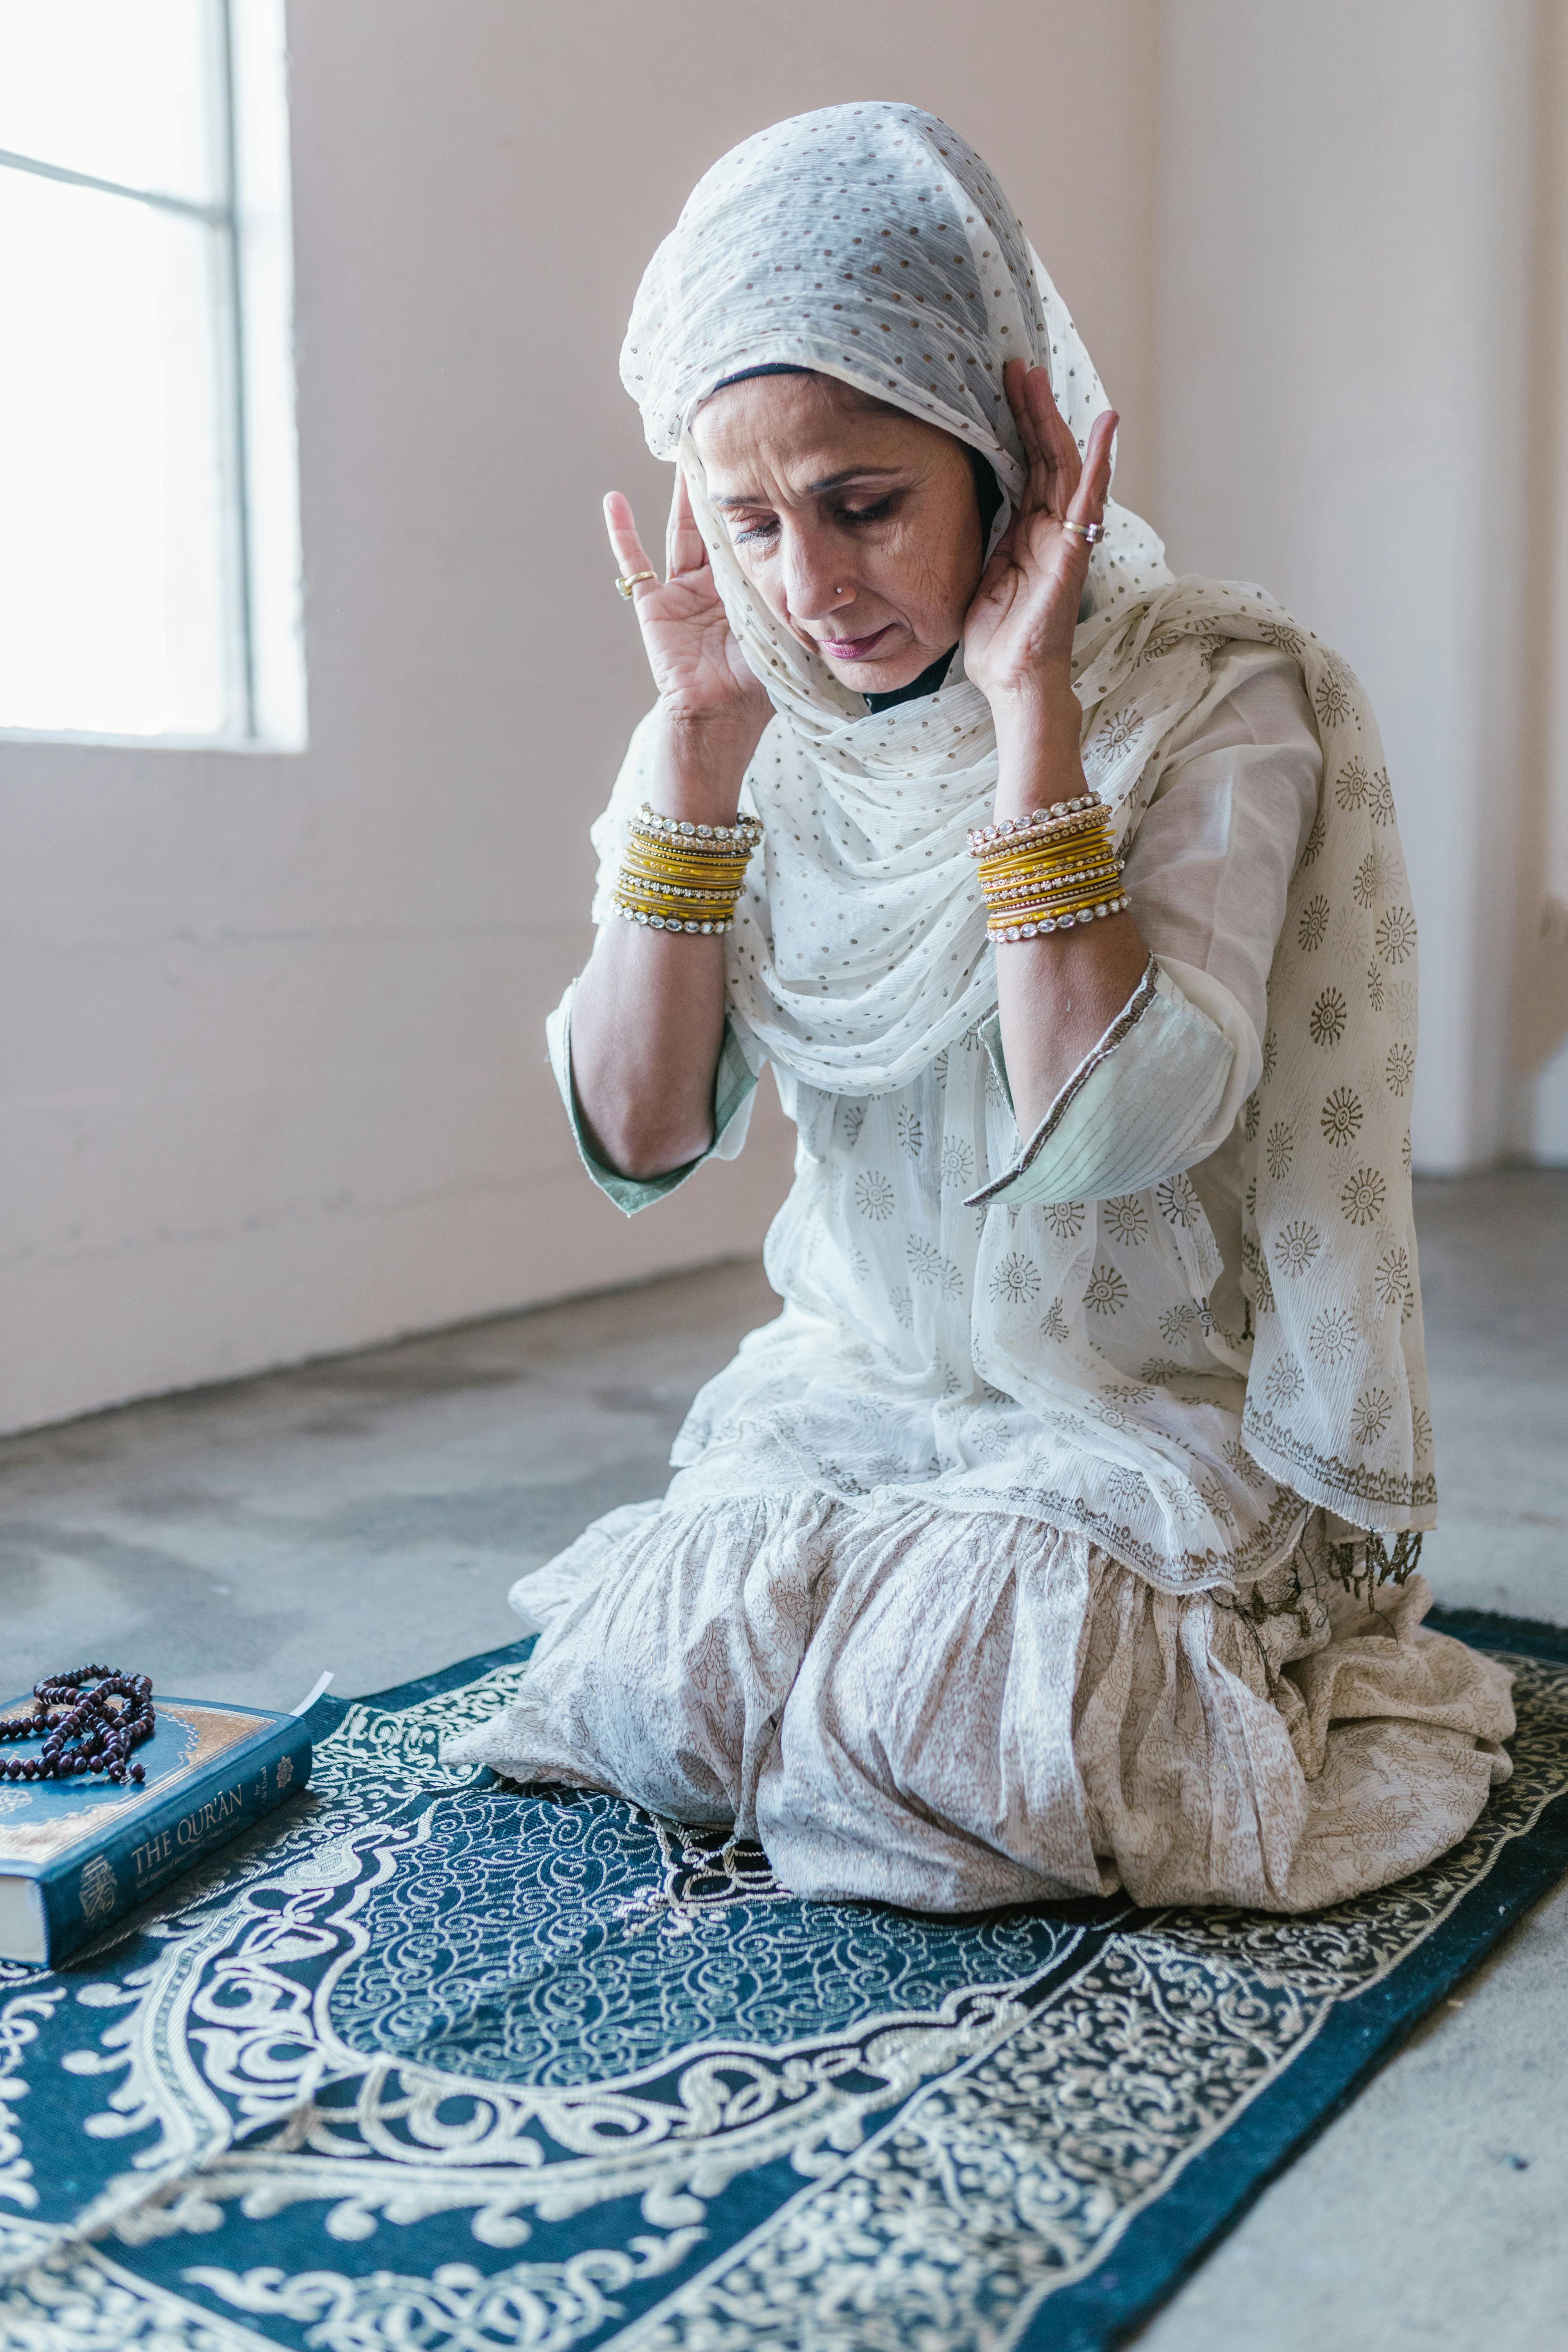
871,243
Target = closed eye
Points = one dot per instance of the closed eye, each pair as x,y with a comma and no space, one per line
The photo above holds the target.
878,513
766,526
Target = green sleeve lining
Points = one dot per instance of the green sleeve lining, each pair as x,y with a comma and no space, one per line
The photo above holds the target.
734,1085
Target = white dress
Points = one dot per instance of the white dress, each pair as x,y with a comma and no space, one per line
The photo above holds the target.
908,1613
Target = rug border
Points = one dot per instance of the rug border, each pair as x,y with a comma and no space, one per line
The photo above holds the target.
1168,2242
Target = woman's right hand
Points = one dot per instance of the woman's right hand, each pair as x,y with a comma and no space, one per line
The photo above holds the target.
697,667
647,1021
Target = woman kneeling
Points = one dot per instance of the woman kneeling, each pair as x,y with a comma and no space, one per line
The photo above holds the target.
1034,1550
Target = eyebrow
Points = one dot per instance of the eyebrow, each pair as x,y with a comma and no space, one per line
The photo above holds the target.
829,482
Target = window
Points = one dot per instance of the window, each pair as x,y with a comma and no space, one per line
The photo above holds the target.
149,536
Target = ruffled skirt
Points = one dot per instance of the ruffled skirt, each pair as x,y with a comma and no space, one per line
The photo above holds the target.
949,1710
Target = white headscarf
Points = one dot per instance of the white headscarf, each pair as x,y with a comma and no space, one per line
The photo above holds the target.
870,242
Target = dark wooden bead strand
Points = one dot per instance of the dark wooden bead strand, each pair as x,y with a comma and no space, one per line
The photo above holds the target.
80,1729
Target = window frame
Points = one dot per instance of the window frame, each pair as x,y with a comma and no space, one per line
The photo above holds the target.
265,687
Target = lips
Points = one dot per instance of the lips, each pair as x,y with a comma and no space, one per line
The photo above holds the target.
854,649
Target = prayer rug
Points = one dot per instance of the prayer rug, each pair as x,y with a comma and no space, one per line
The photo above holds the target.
430,2062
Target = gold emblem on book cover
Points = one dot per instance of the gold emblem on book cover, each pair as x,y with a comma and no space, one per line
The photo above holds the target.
95,1890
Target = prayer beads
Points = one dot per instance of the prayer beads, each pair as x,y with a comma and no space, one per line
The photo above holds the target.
79,1729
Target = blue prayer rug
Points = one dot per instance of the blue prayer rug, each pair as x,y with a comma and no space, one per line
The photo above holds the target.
430,2062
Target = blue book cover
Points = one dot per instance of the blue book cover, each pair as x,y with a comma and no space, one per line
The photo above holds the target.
75,1855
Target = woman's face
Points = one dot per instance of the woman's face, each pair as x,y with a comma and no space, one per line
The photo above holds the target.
856,525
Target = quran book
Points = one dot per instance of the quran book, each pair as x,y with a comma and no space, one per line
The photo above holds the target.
76,1854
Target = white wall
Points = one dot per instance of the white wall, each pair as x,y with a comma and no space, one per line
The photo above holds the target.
1357,207
272,1050
1539,1122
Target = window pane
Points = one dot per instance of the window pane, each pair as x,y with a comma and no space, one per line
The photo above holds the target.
122,89
113,446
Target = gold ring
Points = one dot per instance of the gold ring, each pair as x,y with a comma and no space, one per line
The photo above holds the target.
1088,531
626,585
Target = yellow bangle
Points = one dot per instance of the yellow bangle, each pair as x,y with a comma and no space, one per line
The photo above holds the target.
670,877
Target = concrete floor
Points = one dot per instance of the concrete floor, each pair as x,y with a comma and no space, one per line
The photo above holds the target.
368,1514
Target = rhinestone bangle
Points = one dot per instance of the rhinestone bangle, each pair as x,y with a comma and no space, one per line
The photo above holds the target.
743,835
1061,818
1040,927
656,922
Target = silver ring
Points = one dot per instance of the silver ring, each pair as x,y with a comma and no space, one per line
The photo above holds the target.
1090,532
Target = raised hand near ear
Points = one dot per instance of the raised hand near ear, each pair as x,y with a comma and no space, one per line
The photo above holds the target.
647,1019
1018,639
697,666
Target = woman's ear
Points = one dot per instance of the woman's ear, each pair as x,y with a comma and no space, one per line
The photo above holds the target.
988,496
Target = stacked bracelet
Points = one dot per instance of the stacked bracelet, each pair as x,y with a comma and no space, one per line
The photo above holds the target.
1046,872
679,876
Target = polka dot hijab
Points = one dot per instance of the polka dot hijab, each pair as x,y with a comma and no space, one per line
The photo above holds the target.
868,242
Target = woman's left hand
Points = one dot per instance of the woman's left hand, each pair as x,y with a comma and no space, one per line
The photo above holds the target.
1018,639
